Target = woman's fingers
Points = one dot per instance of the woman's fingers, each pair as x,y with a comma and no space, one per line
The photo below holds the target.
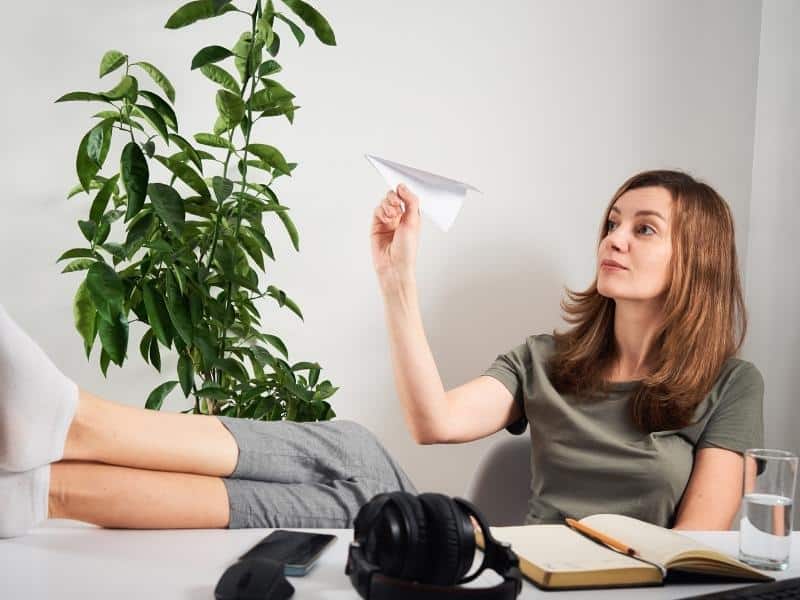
390,208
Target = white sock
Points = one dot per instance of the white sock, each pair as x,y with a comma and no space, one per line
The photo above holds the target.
37,401
23,500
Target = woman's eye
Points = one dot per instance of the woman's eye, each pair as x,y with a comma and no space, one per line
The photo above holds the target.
610,225
644,228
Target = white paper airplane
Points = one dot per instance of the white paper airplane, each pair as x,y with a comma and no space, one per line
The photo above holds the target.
440,198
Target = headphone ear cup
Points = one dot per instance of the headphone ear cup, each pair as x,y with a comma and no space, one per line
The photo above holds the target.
451,539
365,518
398,542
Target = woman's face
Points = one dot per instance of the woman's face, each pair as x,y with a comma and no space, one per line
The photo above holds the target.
638,238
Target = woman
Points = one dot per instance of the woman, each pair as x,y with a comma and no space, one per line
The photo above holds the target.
640,408
656,334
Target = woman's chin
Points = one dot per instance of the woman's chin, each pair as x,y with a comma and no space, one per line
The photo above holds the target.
606,291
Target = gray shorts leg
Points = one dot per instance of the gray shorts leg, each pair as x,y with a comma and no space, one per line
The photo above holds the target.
315,474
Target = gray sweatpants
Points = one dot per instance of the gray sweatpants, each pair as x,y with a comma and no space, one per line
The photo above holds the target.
314,474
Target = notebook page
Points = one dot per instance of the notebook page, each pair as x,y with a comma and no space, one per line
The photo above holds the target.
654,543
557,548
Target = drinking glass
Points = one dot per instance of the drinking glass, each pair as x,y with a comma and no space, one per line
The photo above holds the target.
765,529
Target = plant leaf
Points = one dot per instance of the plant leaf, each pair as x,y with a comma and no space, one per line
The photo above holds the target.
163,108
155,119
113,59
271,156
233,368
269,67
209,139
296,31
191,153
185,374
126,88
105,286
144,344
277,343
313,19
242,51
221,76
210,54
222,188
85,316
230,106
178,310
158,77
252,248
92,152
155,354
261,239
78,265
77,253
186,174
221,125
214,392
114,337
137,231
157,396
195,11
157,314
168,205
276,44
290,228
88,229
115,117
294,308
270,98
101,200
135,176
99,142
84,97
104,361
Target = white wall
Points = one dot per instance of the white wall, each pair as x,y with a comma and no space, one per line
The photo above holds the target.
773,277
545,106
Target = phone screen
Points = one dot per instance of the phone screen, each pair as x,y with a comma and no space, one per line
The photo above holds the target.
298,550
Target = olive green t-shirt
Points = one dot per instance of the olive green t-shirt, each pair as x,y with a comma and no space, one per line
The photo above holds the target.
588,456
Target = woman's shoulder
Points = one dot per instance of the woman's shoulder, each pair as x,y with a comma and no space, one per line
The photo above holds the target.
539,346
737,373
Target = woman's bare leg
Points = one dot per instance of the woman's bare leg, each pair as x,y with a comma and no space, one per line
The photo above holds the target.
116,434
129,498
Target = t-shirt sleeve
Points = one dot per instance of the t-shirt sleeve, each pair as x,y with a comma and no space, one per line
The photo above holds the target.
510,369
738,421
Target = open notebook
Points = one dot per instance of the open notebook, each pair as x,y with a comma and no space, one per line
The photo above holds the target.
557,556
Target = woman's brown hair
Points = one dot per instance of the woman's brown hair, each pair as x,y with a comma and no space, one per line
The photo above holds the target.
704,320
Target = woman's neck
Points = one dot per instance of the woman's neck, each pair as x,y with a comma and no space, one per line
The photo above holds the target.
636,326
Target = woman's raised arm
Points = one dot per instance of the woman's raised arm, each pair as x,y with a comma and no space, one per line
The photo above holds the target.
469,412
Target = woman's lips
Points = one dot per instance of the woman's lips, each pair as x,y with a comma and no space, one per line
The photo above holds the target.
612,267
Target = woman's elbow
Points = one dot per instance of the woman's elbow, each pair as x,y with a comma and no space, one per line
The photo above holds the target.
425,436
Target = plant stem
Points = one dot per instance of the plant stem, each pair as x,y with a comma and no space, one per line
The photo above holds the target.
215,240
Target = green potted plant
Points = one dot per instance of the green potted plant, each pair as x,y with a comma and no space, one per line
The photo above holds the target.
187,265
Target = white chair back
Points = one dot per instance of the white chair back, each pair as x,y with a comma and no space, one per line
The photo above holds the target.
500,486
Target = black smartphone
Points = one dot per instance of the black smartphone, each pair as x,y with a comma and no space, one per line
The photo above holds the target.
298,550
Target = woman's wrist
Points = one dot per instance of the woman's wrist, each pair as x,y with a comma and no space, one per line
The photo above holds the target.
393,282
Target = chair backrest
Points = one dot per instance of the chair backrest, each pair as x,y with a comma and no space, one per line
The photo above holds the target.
500,486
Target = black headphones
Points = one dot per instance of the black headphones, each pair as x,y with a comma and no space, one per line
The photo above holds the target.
408,546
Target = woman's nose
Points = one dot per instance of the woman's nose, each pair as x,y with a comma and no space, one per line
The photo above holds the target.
617,239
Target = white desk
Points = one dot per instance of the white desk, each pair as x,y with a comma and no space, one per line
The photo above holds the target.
68,560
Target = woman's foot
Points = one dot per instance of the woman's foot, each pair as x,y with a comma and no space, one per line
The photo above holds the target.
37,402
23,500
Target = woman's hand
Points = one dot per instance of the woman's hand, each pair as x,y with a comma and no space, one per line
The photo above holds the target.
395,234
